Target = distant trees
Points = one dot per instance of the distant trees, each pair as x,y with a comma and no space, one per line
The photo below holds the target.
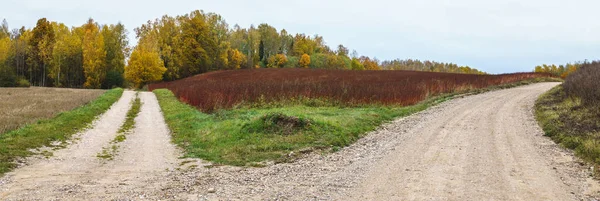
94,55
433,66
54,55
559,71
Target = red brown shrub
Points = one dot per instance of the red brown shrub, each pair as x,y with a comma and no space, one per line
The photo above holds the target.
224,89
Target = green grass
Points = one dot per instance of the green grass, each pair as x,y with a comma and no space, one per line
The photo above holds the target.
569,123
18,143
130,119
251,134
244,136
110,152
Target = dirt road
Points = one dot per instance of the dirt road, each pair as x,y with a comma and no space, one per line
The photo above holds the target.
486,147
141,163
479,147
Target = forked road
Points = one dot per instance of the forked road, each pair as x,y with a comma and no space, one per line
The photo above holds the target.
479,147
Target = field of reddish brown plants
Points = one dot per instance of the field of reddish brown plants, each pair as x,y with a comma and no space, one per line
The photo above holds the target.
224,89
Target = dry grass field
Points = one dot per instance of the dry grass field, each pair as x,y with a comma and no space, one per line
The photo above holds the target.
20,106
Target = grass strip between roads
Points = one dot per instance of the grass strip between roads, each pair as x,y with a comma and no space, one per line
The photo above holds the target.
19,143
109,152
250,136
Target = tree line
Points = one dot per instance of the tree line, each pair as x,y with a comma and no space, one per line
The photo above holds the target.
559,71
54,55
170,48
431,66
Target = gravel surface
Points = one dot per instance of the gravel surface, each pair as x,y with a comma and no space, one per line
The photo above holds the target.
480,147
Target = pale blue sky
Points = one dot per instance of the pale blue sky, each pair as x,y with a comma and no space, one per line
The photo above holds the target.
496,36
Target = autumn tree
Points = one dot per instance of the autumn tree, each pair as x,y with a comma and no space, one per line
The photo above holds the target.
356,64
20,48
196,45
303,45
7,74
4,30
342,51
304,61
220,33
74,72
369,64
570,68
239,40
60,53
253,38
270,39
94,55
116,47
145,64
167,31
236,59
336,62
287,43
277,61
41,45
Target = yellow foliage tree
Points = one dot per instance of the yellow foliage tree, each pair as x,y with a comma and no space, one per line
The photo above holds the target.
570,69
4,49
369,64
277,61
144,66
304,61
235,58
356,64
93,55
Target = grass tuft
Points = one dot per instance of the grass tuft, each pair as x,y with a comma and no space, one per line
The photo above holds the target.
278,123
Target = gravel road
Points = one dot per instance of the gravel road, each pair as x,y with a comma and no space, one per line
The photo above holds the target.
142,162
479,147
